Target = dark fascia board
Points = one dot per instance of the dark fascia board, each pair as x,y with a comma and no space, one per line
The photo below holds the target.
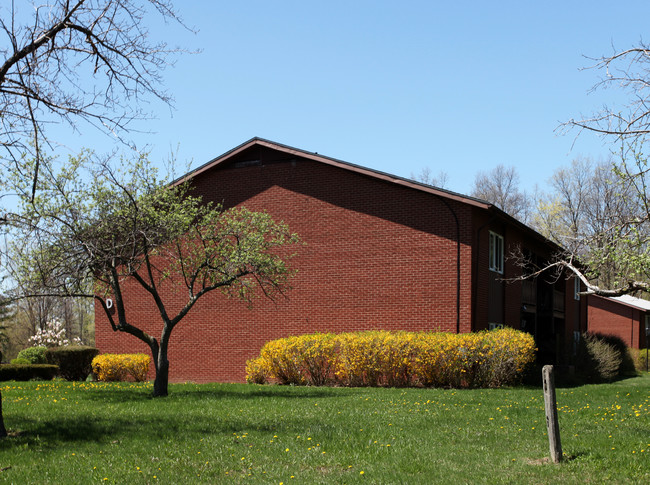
481,204
336,163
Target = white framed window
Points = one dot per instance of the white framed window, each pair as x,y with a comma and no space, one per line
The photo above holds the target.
496,252
576,288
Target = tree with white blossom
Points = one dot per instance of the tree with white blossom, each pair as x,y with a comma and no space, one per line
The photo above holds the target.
53,335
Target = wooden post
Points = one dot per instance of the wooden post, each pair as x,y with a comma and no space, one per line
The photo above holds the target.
552,425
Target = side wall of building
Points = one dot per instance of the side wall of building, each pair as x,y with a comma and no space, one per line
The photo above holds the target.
546,307
376,255
613,318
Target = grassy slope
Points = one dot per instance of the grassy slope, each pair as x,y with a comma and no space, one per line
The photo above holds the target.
116,433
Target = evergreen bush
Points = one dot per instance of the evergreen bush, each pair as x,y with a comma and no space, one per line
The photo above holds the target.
74,362
27,372
639,357
35,355
20,361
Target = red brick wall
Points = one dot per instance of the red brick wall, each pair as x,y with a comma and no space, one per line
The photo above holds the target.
516,239
612,318
377,255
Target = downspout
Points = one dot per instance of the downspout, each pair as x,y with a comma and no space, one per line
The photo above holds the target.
458,268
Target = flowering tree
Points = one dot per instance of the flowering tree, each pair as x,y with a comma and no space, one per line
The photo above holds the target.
93,222
53,335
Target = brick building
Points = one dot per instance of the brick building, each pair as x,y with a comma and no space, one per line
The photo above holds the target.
624,316
381,252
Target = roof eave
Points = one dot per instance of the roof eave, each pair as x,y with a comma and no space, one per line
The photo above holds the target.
333,162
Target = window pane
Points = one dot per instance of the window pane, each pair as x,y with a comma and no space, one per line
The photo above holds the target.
496,253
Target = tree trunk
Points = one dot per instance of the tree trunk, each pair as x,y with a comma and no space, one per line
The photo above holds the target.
3,430
162,374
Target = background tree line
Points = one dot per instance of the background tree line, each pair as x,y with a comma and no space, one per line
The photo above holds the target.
596,210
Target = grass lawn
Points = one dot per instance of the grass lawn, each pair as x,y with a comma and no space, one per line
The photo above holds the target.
229,433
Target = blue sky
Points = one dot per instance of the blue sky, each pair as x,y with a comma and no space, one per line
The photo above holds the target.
395,86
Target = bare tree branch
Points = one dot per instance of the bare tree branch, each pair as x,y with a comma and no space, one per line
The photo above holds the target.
628,70
82,61
500,187
631,286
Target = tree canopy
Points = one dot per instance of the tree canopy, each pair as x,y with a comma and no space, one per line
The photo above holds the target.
115,223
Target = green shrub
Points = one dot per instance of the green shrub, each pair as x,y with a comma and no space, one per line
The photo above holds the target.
396,359
598,359
27,372
74,362
35,355
20,361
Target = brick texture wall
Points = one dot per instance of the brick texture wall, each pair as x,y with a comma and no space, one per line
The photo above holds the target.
377,255
612,318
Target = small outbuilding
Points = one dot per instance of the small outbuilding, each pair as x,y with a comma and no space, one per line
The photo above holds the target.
624,316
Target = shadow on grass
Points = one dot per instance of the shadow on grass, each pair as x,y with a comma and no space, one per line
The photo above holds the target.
108,431
215,392
189,411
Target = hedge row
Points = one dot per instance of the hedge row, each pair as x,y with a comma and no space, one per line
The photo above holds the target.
73,361
120,367
396,359
70,362
27,372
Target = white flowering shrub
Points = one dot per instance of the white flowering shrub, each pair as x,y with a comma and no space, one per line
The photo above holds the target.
53,335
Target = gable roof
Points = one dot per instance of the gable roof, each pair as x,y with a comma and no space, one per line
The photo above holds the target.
437,191
221,159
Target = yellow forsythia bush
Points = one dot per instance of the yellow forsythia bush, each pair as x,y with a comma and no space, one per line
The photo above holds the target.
382,358
119,367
